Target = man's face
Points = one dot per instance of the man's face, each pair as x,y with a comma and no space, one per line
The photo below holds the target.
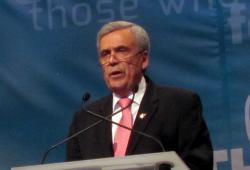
122,62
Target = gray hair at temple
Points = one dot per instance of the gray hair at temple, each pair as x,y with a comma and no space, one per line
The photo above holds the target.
139,33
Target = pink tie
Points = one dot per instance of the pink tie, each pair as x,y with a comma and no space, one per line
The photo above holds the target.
122,134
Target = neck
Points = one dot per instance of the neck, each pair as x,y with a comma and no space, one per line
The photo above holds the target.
122,94
126,93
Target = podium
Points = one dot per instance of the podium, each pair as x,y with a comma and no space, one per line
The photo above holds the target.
153,161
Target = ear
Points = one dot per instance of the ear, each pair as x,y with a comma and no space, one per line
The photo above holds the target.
145,60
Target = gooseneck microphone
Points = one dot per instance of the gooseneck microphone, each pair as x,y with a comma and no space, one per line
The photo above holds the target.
85,98
118,124
132,130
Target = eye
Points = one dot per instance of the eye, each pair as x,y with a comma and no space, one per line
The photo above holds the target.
104,53
122,49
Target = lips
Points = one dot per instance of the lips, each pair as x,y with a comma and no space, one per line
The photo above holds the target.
116,74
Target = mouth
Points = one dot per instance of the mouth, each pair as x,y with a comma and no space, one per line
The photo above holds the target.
116,74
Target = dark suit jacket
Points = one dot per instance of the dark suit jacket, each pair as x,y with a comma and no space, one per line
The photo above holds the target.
172,115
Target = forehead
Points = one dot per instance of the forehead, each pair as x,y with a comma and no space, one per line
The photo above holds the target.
123,37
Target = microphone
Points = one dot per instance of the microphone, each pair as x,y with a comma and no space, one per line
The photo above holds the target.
85,98
135,89
132,130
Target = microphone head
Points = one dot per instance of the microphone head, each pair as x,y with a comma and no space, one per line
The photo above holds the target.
135,89
86,97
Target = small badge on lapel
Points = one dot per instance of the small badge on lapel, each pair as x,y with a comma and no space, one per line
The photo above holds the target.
142,115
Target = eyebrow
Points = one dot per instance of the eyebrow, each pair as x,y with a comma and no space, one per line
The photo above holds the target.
116,48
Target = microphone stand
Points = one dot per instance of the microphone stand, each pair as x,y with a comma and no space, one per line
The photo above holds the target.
133,130
85,98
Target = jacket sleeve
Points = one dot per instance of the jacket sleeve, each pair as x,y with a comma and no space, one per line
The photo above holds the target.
194,144
72,146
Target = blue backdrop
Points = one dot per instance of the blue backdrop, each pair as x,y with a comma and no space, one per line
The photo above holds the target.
48,60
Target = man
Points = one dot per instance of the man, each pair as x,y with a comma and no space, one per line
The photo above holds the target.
171,115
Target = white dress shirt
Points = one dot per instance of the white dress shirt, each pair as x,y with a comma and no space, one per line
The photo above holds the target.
134,108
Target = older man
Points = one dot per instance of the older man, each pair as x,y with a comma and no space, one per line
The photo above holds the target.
171,115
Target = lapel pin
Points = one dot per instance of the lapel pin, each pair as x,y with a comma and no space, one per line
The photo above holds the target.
142,115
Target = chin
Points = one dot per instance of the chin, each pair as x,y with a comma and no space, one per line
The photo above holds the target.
117,84
119,90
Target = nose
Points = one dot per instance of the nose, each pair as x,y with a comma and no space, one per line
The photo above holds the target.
112,58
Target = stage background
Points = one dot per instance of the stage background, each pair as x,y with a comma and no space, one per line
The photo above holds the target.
48,60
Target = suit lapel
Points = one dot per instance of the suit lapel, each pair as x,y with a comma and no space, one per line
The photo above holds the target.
105,110
147,109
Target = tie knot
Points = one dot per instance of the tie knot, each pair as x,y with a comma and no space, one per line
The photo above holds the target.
124,102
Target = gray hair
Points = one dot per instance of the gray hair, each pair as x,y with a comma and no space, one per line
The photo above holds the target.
139,33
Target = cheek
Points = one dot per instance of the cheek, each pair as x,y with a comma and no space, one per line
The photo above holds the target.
132,72
105,73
